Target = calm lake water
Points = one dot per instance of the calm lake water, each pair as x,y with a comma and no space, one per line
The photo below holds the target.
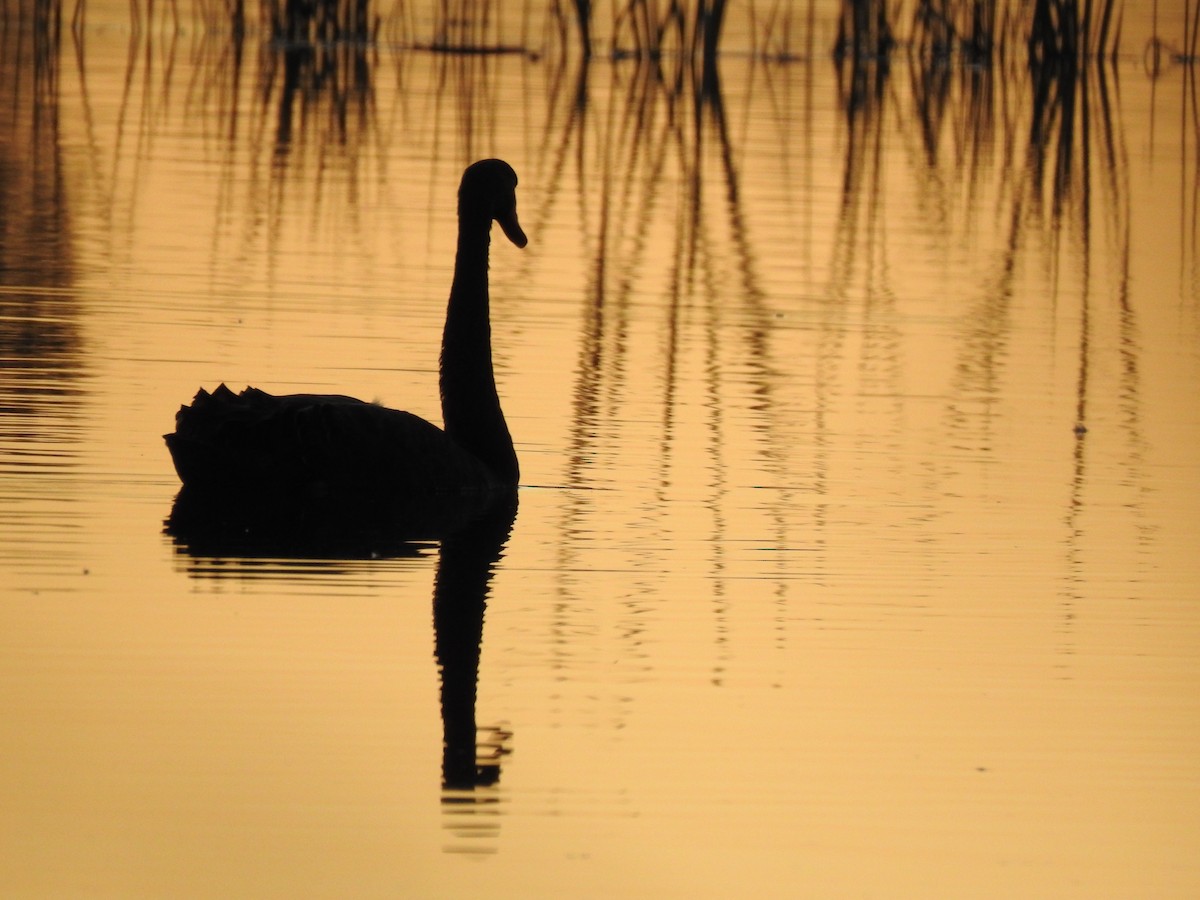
856,550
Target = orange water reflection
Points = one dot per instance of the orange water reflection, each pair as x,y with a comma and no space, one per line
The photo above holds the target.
857,416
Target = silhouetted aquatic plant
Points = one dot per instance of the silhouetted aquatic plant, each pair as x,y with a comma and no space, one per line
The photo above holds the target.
864,30
317,21
977,29
1160,52
1191,31
43,349
457,26
974,28
327,87
647,30
774,33
37,23
1070,30
1039,137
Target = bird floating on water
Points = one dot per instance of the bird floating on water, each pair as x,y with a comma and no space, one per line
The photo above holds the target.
258,446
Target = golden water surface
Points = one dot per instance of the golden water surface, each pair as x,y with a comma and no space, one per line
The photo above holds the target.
858,418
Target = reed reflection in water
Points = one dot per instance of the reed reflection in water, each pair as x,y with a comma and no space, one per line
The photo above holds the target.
855,405
43,361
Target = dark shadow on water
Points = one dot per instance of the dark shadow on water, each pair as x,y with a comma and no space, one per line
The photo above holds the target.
471,539
228,525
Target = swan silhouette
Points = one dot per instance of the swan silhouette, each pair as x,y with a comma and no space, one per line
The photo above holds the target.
301,447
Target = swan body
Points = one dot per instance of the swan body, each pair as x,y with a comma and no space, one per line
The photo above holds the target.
330,446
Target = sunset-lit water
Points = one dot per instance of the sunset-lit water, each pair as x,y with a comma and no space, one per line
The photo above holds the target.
860,498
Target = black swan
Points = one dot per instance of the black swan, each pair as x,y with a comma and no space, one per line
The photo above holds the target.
254,446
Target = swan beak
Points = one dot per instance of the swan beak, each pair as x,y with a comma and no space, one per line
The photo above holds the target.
512,228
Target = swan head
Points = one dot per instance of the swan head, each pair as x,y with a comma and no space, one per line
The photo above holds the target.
489,187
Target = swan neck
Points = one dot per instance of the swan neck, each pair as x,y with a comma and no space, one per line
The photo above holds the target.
470,405
471,261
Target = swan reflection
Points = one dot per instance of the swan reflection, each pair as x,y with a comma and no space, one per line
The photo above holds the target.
469,551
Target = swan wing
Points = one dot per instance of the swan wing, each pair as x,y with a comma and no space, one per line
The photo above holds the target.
255,441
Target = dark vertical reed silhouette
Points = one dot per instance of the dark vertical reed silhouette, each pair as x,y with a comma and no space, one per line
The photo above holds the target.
648,30
1068,30
1049,29
317,21
864,30
943,27
41,341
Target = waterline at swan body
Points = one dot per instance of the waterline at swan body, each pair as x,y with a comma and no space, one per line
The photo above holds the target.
323,445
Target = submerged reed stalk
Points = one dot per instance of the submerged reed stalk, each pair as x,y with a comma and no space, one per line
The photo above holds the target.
645,30
1068,31
318,21
943,27
864,30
